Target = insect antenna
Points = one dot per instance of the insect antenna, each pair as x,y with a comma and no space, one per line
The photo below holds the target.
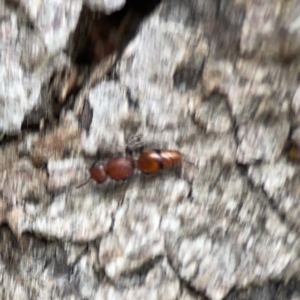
82,184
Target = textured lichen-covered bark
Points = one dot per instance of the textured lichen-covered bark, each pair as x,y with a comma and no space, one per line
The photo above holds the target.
216,80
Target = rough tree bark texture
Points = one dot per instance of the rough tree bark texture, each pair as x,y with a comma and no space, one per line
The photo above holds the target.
217,80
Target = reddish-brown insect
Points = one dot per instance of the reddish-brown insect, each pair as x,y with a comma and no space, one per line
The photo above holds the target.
151,161
98,173
121,168
117,168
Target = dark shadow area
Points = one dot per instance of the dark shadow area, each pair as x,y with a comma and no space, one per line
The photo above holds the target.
98,35
270,291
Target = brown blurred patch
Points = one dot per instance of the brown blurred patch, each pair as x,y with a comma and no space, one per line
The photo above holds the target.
56,144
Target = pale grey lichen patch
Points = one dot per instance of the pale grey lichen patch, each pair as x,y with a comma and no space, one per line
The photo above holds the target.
31,56
63,173
54,20
25,64
75,217
249,88
215,266
243,98
164,113
147,71
136,239
202,263
162,190
272,177
255,72
110,107
259,27
107,6
296,103
281,184
262,140
239,239
84,269
9,35
184,219
270,29
218,76
15,97
160,283
213,115
16,289
204,147
159,40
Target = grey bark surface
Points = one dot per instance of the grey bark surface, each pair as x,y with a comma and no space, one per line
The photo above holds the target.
216,80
